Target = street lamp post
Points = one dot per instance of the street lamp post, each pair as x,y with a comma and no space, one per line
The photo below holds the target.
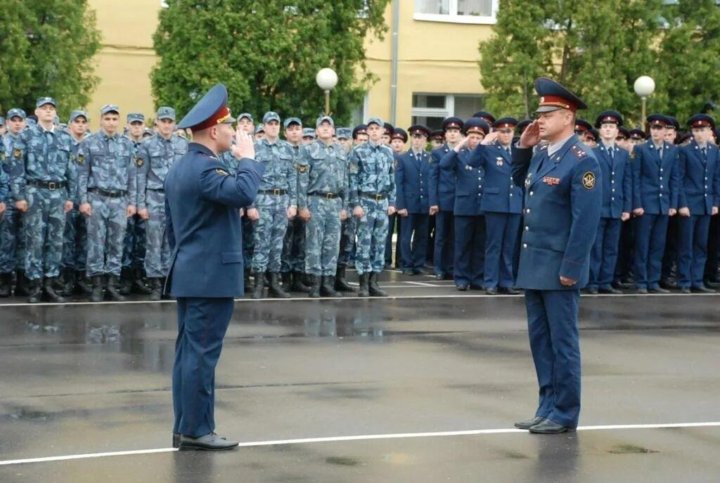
644,87
326,80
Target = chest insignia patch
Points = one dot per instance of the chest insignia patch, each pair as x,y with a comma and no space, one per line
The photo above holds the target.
552,181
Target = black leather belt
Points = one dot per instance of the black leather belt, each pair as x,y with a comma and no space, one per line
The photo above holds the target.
320,194
161,190
275,192
373,196
109,194
48,185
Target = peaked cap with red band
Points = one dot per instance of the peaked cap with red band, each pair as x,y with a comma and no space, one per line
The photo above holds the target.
210,111
554,96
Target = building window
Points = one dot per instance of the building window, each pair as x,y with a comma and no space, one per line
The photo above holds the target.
431,109
456,11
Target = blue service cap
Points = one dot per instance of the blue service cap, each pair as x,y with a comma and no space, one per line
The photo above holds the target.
453,123
375,120
701,120
16,112
78,113
135,117
554,96
45,100
309,132
522,125
399,133
606,117
658,120
292,120
419,129
504,122
271,116
107,108
476,125
359,129
437,135
485,115
637,134
343,133
674,124
165,112
209,111
582,125
323,119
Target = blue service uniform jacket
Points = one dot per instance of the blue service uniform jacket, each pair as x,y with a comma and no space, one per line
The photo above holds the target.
699,178
616,179
442,183
202,201
412,182
501,194
563,196
468,182
655,181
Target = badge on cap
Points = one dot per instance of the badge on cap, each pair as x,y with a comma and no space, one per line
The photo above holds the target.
588,180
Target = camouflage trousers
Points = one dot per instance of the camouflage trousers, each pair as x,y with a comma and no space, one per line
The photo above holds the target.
134,243
43,233
157,248
293,255
8,239
269,232
322,233
106,231
75,240
372,231
347,242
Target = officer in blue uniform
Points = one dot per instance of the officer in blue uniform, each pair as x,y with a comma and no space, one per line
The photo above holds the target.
616,203
699,197
398,140
412,177
202,202
469,250
562,209
442,200
655,199
501,205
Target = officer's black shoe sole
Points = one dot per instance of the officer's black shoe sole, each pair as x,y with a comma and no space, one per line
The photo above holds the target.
529,423
702,290
610,291
549,427
176,440
658,290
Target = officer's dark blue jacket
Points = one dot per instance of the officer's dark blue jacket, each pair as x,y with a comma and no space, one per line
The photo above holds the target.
468,182
442,183
501,194
699,178
655,182
202,201
617,181
412,182
561,214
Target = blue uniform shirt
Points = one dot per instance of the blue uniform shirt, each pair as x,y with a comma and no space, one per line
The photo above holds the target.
412,182
468,182
699,178
442,183
617,180
501,194
655,181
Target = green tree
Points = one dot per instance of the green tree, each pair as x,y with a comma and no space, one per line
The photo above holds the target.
47,50
267,53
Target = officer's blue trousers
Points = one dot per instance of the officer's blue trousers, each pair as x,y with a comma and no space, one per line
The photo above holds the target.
502,238
650,236
554,341
604,254
202,323
444,231
413,245
693,233
469,250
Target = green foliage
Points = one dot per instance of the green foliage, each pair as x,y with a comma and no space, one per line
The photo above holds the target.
599,50
267,53
47,50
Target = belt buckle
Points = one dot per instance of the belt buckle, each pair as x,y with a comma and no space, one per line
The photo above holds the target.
276,192
378,197
52,185
329,196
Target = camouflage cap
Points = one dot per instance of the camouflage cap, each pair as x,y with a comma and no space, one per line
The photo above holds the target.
16,112
78,113
166,112
344,133
135,117
309,132
375,120
323,119
246,115
108,108
292,120
271,116
45,100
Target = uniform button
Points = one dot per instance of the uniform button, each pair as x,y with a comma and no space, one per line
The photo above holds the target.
511,193
705,186
527,211
613,173
660,178
660,195
613,190
612,181
527,228
532,193
705,195
524,245
612,198
661,170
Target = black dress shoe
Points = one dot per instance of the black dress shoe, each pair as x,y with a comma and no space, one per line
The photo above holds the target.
658,290
418,271
712,284
685,290
641,290
549,427
209,442
610,290
462,287
508,291
591,290
527,424
491,291
702,289
176,440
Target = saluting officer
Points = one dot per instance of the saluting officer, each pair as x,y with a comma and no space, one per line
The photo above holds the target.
655,199
616,203
699,198
562,209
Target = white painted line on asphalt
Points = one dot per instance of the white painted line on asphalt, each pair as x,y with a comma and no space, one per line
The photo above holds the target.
424,284
364,437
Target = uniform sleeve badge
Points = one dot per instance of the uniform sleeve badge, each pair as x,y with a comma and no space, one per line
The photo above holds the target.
499,161
139,162
588,180
17,152
222,172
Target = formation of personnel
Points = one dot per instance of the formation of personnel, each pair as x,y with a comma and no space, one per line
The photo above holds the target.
84,213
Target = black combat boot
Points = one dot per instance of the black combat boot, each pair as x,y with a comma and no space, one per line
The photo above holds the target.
68,281
96,294
33,288
276,289
341,284
314,291
297,283
139,282
327,287
5,284
259,285
113,289
126,282
364,290
246,281
375,290
49,289
83,283
286,278
21,282
156,286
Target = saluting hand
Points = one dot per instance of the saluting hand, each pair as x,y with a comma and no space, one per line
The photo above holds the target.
531,136
490,138
244,146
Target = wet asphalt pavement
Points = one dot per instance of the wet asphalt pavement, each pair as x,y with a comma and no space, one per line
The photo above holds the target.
95,378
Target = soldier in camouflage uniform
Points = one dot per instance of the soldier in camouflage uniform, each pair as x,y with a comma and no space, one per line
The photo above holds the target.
154,159
11,243
4,201
293,256
276,202
75,236
42,187
108,193
372,196
322,199
347,227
